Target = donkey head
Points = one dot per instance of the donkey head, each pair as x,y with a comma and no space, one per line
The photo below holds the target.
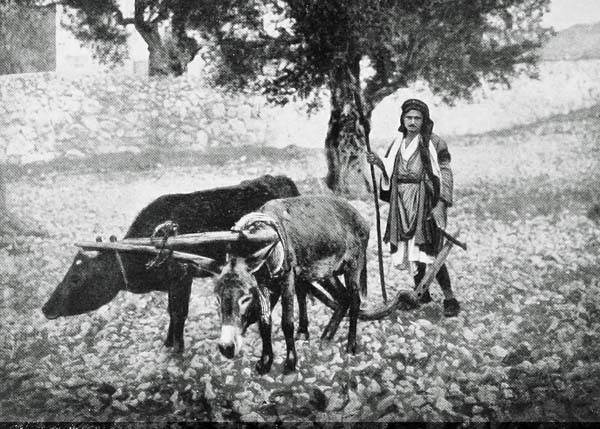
241,302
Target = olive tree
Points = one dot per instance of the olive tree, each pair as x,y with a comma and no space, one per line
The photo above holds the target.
172,29
359,52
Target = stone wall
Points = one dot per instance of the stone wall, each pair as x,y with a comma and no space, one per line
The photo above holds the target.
45,116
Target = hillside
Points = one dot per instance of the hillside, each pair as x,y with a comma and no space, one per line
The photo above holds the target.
579,42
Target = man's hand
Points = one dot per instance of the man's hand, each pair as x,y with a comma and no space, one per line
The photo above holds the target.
439,214
373,159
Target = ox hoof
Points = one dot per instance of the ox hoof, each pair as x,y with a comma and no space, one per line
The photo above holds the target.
289,367
351,348
178,347
263,366
451,307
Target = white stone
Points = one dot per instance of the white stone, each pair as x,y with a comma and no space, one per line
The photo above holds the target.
74,153
38,157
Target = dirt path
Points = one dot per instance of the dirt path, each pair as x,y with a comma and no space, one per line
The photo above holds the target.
523,348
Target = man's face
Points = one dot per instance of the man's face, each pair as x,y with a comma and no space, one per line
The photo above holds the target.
413,120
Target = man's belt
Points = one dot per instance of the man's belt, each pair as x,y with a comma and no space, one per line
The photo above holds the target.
409,179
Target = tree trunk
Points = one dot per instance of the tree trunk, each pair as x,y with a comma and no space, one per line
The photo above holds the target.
158,55
345,142
168,57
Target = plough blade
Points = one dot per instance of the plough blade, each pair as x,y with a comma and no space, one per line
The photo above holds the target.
433,269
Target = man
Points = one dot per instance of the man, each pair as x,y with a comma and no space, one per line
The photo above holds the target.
417,182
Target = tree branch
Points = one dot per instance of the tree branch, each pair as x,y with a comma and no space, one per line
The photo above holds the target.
161,14
378,88
143,27
121,19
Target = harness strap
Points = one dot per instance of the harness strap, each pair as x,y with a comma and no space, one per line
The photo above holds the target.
122,268
265,304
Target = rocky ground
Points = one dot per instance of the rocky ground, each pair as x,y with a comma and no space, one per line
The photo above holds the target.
523,348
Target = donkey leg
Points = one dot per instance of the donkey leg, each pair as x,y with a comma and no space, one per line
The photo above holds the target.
335,287
266,359
301,291
334,323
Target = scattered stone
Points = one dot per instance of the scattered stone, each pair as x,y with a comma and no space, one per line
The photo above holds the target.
120,406
106,388
470,400
318,399
252,417
499,352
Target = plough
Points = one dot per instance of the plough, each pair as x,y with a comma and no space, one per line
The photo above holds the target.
166,243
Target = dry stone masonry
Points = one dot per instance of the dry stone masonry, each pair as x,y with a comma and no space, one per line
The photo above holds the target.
44,116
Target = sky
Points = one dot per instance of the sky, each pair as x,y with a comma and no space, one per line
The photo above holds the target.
562,14
565,13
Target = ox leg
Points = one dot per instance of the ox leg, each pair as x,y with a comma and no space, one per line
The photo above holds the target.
179,302
287,321
340,293
336,288
301,291
337,317
169,339
353,283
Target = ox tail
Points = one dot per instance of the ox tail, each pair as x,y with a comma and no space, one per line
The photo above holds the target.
363,276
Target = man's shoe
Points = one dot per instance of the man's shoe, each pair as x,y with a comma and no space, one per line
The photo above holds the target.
451,307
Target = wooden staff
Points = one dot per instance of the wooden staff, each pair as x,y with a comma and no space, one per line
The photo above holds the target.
367,130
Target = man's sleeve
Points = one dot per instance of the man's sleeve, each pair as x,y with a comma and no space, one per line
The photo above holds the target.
444,158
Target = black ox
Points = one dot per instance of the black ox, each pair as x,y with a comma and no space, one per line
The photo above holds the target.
319,238
93,281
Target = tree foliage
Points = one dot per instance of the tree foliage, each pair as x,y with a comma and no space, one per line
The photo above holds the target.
308,46
172,29
452,44
359,51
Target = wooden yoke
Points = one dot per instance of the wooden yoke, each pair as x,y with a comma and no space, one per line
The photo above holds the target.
191,240
184,241
202,262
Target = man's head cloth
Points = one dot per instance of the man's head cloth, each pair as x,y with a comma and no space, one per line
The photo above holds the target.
420,106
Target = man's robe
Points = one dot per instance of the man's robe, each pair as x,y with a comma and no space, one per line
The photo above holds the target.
413,236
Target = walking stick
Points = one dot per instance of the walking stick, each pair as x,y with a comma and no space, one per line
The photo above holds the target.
378,217
367,130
